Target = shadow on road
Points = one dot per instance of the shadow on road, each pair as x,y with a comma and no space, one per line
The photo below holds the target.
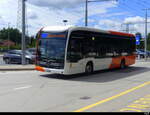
102,76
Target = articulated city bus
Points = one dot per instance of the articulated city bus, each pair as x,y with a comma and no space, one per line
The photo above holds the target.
73,50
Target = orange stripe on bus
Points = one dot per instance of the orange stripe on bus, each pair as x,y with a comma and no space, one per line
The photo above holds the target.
39,68
129,60
57,36
121,33
116,62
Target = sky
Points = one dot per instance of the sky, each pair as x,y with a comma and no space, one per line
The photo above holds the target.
104,14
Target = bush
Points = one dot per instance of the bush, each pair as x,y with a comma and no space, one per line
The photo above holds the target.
3,48
16,47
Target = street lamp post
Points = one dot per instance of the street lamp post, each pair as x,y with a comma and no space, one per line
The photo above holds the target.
23,33
86,13
86,8
146,35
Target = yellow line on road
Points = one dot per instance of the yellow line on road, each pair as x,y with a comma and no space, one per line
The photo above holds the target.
111,98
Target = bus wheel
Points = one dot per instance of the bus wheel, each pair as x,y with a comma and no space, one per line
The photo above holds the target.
89,68
122,64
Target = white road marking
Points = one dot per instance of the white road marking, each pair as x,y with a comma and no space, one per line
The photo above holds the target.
25,87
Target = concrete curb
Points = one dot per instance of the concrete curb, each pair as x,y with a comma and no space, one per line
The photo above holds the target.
17,68
142,60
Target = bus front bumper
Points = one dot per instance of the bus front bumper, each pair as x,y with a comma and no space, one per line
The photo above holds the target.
53,71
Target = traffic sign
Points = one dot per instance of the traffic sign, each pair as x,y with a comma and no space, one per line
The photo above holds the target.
138,38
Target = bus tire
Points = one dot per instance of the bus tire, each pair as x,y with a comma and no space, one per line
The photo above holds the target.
122,64
89,68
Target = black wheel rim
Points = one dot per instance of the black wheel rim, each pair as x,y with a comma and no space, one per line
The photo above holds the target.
7,61
88,68
122,66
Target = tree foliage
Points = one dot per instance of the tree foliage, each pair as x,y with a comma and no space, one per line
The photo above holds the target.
15,35
11,34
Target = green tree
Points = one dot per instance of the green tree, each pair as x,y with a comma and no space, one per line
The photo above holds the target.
32,42
148,42
15,35
11,34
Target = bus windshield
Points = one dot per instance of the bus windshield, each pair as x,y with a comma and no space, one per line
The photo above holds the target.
51,47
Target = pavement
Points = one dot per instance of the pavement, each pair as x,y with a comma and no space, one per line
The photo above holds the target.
12,67
126,90
17,67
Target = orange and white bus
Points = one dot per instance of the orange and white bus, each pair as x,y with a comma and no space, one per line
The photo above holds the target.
73,50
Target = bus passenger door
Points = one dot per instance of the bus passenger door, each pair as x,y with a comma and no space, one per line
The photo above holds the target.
74,56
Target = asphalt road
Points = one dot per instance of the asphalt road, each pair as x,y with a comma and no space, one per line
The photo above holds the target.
104,91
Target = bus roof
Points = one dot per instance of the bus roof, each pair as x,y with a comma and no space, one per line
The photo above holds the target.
56,28
73,28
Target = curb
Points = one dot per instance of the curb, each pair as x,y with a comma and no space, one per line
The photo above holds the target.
142,60
17,68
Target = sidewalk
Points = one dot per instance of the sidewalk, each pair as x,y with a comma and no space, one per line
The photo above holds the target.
143,60
17,67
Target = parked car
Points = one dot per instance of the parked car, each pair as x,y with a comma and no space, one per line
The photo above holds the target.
32,51
148,53
15,56
142,53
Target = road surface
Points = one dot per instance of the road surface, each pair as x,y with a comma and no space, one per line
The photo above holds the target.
104,91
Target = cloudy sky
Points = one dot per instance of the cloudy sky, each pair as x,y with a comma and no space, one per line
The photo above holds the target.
110,15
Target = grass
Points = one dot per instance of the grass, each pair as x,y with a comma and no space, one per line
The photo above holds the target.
1,53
